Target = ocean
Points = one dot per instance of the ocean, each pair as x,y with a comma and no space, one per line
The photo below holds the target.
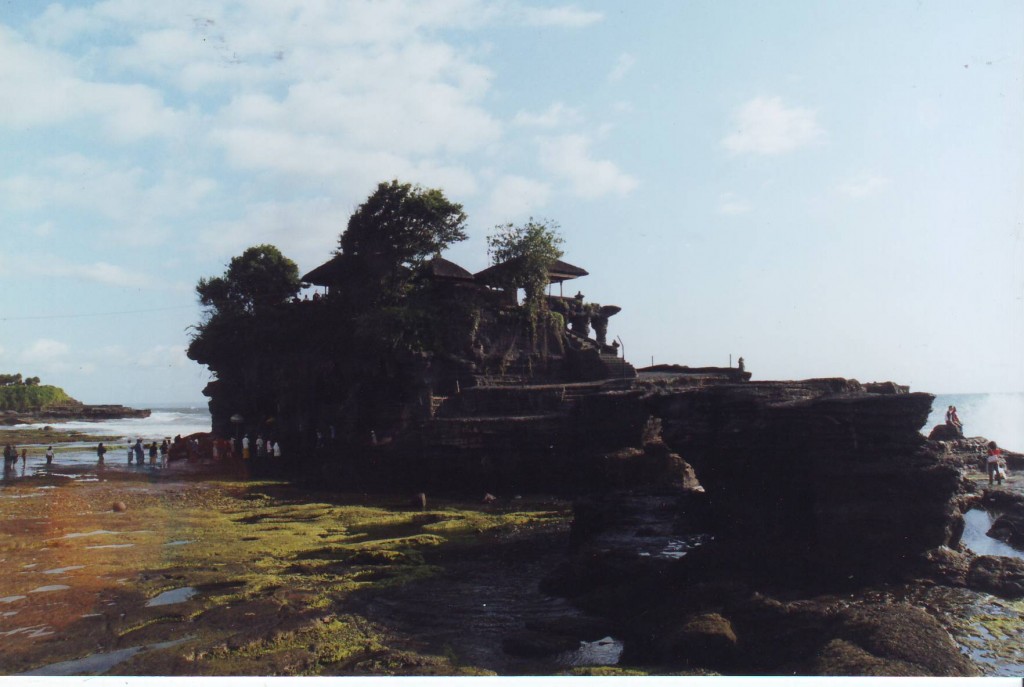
998,417
166,421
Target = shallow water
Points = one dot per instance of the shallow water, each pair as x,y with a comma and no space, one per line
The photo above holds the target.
976,523
97,664
603,652
173,596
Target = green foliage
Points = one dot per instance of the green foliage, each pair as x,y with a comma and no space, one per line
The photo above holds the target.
10,380
530,249
533,247
403,224
24,397
259,278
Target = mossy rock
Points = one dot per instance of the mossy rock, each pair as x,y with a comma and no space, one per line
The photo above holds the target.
842,658
386,557
997,575
707,640
907,638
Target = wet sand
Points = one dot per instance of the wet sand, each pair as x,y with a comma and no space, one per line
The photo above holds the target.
206,572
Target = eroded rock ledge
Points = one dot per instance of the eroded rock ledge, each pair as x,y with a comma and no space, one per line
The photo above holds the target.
814,495
87,413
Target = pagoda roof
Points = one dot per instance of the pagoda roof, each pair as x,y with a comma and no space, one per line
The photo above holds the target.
331,272
559,271
439,268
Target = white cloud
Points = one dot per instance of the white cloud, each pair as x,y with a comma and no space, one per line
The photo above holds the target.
765,126
52,266
42,88
514,197
863,186
557,114
622,66
566,16
45,351
569,159
731,204
133,208
305,230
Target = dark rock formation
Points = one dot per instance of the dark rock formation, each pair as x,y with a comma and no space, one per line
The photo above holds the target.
894,640
945,433
822,466
807,489
71,413
997,575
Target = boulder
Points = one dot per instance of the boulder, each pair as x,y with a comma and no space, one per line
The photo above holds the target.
905,639
997,575
840,657
707,640
947,566
945,432
119,507
1009,528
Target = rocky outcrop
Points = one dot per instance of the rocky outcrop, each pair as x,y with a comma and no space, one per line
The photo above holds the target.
821,466
71,413
997,575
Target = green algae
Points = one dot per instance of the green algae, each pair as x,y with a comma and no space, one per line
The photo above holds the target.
273,569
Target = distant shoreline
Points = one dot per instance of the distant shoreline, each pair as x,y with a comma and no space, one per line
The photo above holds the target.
82,413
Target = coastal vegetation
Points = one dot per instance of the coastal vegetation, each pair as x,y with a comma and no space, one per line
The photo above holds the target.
28,394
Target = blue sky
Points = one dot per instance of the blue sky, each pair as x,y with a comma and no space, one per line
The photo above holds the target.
827,189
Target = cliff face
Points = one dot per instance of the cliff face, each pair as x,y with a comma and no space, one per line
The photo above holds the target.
823,467
812,492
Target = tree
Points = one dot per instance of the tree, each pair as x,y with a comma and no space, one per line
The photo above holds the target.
403,224
259,278
531,249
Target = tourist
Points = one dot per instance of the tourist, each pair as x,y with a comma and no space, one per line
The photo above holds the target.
100,450
24,457
992,461
953,420
277,449
8,453
152,453
245,447
139,451
131,451
165,448
49,455
259,446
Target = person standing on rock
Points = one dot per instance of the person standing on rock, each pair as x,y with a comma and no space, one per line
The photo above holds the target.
139,451
953,420
24,457
49,455
992,461
152,453
131,451
245,447
100,451
165,447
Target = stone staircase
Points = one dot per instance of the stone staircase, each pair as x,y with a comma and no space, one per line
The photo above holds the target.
618,368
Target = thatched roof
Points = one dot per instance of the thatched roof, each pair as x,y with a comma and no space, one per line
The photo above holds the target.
446,270
331,272
557,273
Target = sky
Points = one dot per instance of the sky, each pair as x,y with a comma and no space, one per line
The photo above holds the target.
826,189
